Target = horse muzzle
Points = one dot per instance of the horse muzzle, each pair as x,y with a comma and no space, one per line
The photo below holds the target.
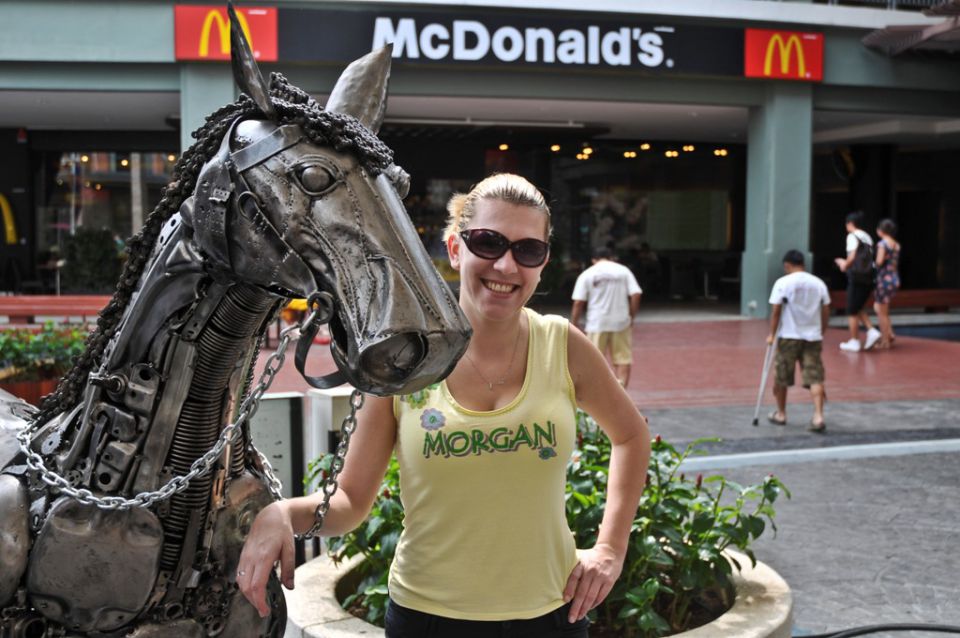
397,327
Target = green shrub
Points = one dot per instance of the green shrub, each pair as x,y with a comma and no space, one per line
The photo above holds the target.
675,576
26,355
93,264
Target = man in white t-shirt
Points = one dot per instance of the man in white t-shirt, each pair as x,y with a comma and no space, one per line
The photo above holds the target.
611,295
858,265
801,308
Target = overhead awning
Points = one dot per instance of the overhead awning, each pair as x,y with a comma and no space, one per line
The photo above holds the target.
942,37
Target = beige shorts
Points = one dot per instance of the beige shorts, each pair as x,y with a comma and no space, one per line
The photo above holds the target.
620,345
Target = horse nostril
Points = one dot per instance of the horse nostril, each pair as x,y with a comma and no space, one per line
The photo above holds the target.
396,357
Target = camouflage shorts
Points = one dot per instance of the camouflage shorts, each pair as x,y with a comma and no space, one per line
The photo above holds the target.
789,352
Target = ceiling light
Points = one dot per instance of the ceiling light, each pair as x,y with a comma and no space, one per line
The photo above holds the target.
84,158
469,121
504,147
644,147
124,162
171,157
688,147
555,148
587,150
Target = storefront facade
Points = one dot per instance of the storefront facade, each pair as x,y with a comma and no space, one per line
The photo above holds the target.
700,145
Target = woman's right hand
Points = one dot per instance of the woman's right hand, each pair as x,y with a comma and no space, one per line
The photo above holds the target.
270,540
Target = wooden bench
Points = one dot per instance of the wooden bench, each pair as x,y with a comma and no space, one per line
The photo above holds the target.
930,300
34,309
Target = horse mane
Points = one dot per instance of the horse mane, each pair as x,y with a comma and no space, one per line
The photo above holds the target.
293,106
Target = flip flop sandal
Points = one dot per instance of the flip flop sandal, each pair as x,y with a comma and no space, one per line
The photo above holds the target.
772,418
818,428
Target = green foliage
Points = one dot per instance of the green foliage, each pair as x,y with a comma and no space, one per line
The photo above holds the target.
376,539
674,576
92,262
26,355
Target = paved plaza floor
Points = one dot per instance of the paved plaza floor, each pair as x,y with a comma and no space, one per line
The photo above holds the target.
871,533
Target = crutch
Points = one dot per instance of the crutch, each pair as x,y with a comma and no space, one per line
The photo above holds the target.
768,357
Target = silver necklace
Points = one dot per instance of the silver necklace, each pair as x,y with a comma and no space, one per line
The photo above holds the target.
503,379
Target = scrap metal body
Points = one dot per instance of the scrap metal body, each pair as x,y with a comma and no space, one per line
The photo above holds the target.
274,215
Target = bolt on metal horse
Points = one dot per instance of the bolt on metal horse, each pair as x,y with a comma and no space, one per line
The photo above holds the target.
125,500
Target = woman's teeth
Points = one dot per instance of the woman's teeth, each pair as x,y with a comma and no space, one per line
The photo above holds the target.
498,287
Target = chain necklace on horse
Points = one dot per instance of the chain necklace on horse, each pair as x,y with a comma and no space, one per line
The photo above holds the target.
503,378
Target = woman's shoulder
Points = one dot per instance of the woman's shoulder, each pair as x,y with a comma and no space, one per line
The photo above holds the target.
547,322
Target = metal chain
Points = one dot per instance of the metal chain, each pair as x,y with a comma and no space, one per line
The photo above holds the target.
330,483
200,467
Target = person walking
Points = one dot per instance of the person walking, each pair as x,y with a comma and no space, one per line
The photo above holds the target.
611,296
800,308
485,547
888,279
859,267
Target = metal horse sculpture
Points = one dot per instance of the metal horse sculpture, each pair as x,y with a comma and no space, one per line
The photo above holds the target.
123,504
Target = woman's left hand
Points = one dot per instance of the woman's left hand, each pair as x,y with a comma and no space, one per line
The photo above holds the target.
592,579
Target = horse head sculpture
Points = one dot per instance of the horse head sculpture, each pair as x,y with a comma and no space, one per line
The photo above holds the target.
125,500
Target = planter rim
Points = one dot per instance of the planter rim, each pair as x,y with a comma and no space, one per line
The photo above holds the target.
763,607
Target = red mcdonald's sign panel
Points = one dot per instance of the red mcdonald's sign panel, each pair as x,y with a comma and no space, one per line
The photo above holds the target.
783,55
203,32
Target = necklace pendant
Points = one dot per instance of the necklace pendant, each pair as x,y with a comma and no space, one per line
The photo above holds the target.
490,386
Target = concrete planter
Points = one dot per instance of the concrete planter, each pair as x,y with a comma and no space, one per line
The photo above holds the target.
762,609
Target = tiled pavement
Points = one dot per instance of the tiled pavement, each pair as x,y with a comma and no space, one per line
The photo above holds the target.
864,540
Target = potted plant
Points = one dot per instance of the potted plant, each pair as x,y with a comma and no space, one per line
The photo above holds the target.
677,575
32,362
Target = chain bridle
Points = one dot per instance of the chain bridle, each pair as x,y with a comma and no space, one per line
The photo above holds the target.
318,314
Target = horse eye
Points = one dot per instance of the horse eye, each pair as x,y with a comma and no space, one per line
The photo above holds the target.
316,180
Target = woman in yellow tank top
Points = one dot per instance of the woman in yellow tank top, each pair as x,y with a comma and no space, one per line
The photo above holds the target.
485,550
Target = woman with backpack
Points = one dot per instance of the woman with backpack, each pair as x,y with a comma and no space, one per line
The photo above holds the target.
859,267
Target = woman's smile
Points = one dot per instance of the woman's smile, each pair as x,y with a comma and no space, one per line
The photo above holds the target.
499,286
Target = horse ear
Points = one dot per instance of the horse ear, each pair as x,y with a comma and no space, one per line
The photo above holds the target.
361,90
246,73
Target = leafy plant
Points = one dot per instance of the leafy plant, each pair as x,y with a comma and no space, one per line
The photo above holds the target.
93,264
376,539
27,355
675,576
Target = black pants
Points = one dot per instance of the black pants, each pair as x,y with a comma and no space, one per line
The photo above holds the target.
408,623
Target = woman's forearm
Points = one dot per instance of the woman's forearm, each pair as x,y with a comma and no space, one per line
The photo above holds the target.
628,473
342,517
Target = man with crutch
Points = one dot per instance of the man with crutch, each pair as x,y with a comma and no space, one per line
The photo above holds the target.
801,309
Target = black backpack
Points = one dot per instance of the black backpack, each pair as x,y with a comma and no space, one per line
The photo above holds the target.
863,270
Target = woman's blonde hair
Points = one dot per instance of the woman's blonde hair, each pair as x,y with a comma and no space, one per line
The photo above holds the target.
504,187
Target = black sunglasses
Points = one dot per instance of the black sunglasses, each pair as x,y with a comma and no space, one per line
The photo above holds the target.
489,244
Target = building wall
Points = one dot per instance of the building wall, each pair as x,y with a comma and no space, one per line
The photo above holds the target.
113,47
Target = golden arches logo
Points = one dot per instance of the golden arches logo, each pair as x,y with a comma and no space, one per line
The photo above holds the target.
785,49
9,224
223,30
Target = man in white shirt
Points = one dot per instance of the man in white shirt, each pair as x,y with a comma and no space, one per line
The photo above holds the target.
611,295
801,308
860,282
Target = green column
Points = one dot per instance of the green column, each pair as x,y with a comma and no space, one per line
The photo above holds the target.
779,158
204,88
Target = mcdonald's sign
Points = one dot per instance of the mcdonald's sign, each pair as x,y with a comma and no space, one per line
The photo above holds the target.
203,32
783,55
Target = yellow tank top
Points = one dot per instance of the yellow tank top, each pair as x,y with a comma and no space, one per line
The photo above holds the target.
485,533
